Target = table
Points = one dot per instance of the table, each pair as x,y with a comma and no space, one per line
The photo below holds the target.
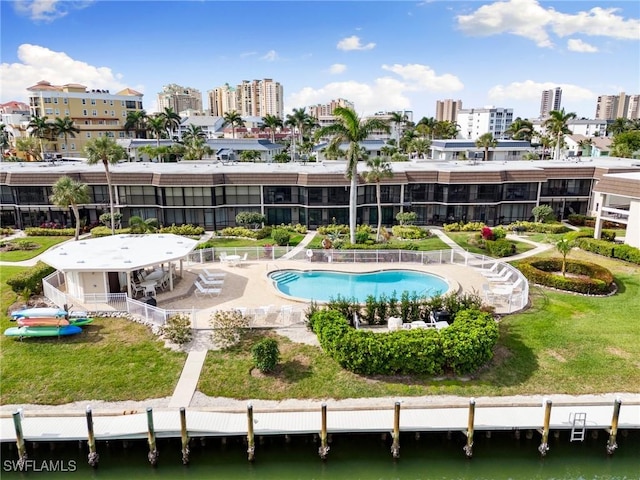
149,286
154,275
232,259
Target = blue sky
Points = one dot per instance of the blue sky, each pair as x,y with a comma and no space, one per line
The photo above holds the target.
380,55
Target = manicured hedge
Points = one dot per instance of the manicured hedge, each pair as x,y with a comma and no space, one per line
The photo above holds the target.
30,279
593,279
539,227
461,348
185,230
500,248
410,232
610,249
50,232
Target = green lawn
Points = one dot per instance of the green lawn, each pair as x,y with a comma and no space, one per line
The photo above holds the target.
462,239
427,244
228,242
44,243
563,344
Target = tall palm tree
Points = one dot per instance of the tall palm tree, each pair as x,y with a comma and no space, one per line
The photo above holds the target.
40,128
520,129
171,120
351,129
429,125
398,119
234,119
297,120
619,125
271,122
556,125
420,146
445,129
69,193
586,144
156,124
65,127
137,121
192,133
379,169
486,141
106,151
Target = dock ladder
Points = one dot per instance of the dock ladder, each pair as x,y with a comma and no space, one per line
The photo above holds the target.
578,427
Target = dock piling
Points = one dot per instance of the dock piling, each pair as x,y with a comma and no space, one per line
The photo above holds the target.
611,443
93,457
468,448
153,451
185,436
323,451
251,443
22,450
544,446
395,446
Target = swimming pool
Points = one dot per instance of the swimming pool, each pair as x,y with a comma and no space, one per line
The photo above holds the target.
324,285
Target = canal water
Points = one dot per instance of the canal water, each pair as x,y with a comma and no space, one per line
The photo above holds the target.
353,457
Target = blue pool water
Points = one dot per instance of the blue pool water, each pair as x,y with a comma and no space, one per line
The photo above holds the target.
323,286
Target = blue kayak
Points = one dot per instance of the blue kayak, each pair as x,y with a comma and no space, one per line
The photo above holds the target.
42,331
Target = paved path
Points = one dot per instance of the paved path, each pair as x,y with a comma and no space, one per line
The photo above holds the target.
303,243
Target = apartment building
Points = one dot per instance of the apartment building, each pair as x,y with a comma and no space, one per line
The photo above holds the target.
550,100
95,112
475,122
610,107
326,110
578,126
447,110
211,194
179,98
222,100
251,98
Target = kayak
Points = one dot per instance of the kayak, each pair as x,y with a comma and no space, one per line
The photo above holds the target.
39,312
80,322
42,331
42,321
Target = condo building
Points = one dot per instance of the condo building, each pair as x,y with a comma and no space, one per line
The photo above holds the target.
179,98
550,100
255,98
447,110
475,122
95,112
325,110
610,107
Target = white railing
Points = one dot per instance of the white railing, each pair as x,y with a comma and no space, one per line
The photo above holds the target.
257,253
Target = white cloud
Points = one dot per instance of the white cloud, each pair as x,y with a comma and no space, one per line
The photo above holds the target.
577,45
382,94
353,43
270,56
530,90
422,77
337,68
527,18
39,63
248,54
48,10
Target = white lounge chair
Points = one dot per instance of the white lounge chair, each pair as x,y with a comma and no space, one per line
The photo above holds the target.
200,290
213,275
209,282
487,272
503,277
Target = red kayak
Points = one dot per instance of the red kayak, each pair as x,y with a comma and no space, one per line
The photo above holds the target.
43,322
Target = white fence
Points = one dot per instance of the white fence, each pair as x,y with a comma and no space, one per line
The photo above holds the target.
257,253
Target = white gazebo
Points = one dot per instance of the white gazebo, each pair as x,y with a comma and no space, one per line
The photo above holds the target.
105,265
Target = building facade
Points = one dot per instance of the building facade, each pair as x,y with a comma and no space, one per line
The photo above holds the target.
211,194
550,100
251,98
475,122
179,98
610,107
94,112
447,110
222,100
326,110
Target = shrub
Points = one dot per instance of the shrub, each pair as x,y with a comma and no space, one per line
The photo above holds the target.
106,231
576,234
266,354
542,213
184,230
20,244
487,233
578,220
30,279
264,232
500,248
362,236
409,232
538,227
334,229
499,232
5,231
609,235
49,232
250,218
238,232
178,329
228,327
609,249
406,218
281,236
586,278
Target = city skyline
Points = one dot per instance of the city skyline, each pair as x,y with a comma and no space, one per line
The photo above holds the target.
382,56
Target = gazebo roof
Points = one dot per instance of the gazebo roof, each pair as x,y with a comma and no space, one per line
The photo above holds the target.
118,253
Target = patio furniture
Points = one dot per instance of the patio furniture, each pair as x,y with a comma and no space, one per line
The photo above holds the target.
213,275
488,272
200,290
137,289
149,287
209,282
232,260
504,277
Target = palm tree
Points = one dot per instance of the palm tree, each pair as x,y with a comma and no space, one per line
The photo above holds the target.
195,149
107,151
171,120
249,155
520,129
420,146
69,193
192,133
486,141
428,125
65,127
139,225
271,122
234,119
351,129
40,128
296,121
157,125
398,119
564,246
585,145
379,169
619,125
445,129
137,121
556,124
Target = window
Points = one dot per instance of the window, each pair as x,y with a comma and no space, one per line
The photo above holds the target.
104,101
65,100
94,113
106,112
111,102
84,101
124,113
66,112
113,113
47,100
93,101
85,113
57,112
63,146
73,146
88,134
48,111
55,100
121,134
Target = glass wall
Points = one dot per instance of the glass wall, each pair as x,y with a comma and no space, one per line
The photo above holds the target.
520,191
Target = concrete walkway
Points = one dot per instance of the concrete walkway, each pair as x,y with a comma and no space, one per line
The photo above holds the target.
188,381
298,248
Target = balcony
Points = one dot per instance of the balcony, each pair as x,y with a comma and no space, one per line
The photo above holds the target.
617,213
